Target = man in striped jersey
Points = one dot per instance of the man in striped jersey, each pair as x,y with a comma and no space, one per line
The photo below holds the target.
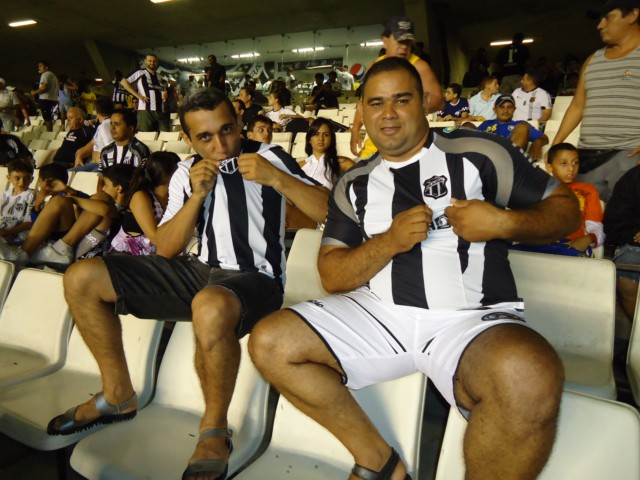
150,94
233,192
607,103
416,239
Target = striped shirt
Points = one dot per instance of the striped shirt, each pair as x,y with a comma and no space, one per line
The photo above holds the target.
611,118
241,224
148,85
444,271
134,153
119,93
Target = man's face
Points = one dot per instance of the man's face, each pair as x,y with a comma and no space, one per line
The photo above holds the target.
319,79
74,119
262,132
395,48
449,95
504,112
41,68
151,63
564,166
526,83
244,96
213,134
120,131
613,26
394,114
211,60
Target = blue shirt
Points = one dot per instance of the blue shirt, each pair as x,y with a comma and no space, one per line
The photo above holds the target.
505,129
480,108
455,110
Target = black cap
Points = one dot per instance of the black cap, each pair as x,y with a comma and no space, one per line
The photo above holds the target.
504,98
597,13
400,27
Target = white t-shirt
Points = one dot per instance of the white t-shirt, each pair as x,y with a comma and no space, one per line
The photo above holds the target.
276,116
51,93
317,170
102,137
529,105
16,209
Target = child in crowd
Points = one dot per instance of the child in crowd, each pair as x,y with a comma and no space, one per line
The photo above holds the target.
563,163
16,203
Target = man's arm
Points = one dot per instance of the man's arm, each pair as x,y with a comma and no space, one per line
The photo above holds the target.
547,221
311,200
431,86
345,268
174,235
82,153
129,88
42,89
535,150
573,116
546,115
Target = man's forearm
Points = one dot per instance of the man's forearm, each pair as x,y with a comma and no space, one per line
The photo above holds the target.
570,121
173,236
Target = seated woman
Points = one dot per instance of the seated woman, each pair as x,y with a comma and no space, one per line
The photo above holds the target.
323,165
146,205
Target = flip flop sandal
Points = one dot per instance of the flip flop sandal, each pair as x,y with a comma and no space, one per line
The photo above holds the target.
66,424
384,474
211,466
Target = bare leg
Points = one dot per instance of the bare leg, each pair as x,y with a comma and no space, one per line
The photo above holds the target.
511,380
520,135
294,359
91,296
216,314
57,215
627,294
85,223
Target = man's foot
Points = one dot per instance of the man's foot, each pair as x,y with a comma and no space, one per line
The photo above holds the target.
210,461
96,411
386,473
13,254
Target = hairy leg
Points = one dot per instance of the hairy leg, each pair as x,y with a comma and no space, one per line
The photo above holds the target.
511,380
295,360
85,223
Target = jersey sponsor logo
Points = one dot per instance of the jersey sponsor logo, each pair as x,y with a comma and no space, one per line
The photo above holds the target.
436,186
229,166
490,317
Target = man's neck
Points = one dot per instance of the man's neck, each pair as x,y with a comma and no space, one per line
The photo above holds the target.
122,143
529,90
625,46
409,154
486,95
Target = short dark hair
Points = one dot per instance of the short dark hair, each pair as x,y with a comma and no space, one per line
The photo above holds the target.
104,106
54,170
391,64
456,88
250,91
206,99
243,107
553,151
19,165
44,62
319,75
488,79
534,76
258,119
128,116
279,96
120,174
151,55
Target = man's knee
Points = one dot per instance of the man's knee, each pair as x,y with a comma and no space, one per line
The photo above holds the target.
86,279
216,312
268,338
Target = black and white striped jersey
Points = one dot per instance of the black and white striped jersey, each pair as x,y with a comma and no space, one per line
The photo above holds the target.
120,95
134,153
241,224
444,271
147,84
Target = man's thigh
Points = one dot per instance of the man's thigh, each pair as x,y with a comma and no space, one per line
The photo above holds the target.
151,286
146,122
163,121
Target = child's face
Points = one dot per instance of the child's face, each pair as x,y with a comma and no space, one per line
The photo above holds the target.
564,166
262,132
20,181
109,188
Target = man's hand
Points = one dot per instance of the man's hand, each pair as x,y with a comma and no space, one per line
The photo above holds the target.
636,237
408,228
474,220
634,152
356,142
581,243
256,168
203,176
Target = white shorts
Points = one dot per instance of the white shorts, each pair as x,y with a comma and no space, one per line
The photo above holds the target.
374,341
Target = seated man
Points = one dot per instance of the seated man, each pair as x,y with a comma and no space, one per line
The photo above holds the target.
532,102
426,287
520,133
455,108
260,129
102,138
79,135
622,227
233,190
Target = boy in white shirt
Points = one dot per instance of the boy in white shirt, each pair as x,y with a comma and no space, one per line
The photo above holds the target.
16,203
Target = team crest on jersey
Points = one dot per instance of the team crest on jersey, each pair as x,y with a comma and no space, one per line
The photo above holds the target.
229,166
489,317
436,186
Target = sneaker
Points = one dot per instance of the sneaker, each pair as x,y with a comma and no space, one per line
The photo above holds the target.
49,255
13,254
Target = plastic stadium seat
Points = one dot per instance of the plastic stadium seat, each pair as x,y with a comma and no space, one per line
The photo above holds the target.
282,137
42,157
35,334
144,136
169,136
136,451
153,145
633,355
596,439
560,106
86,182
303,280
176,146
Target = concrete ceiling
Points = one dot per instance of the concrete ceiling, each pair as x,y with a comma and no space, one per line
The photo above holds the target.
123,26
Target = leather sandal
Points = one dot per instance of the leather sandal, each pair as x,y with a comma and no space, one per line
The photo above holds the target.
66,424
213,465
384,474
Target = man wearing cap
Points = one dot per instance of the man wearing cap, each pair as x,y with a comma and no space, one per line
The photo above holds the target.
9,104
519,132
398,38
607,100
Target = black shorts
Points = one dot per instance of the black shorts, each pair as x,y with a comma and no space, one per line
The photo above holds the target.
46,107
151,286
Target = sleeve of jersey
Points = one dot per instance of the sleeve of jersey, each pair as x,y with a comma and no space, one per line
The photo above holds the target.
134,76
285,162
342,228
178,191
534,134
